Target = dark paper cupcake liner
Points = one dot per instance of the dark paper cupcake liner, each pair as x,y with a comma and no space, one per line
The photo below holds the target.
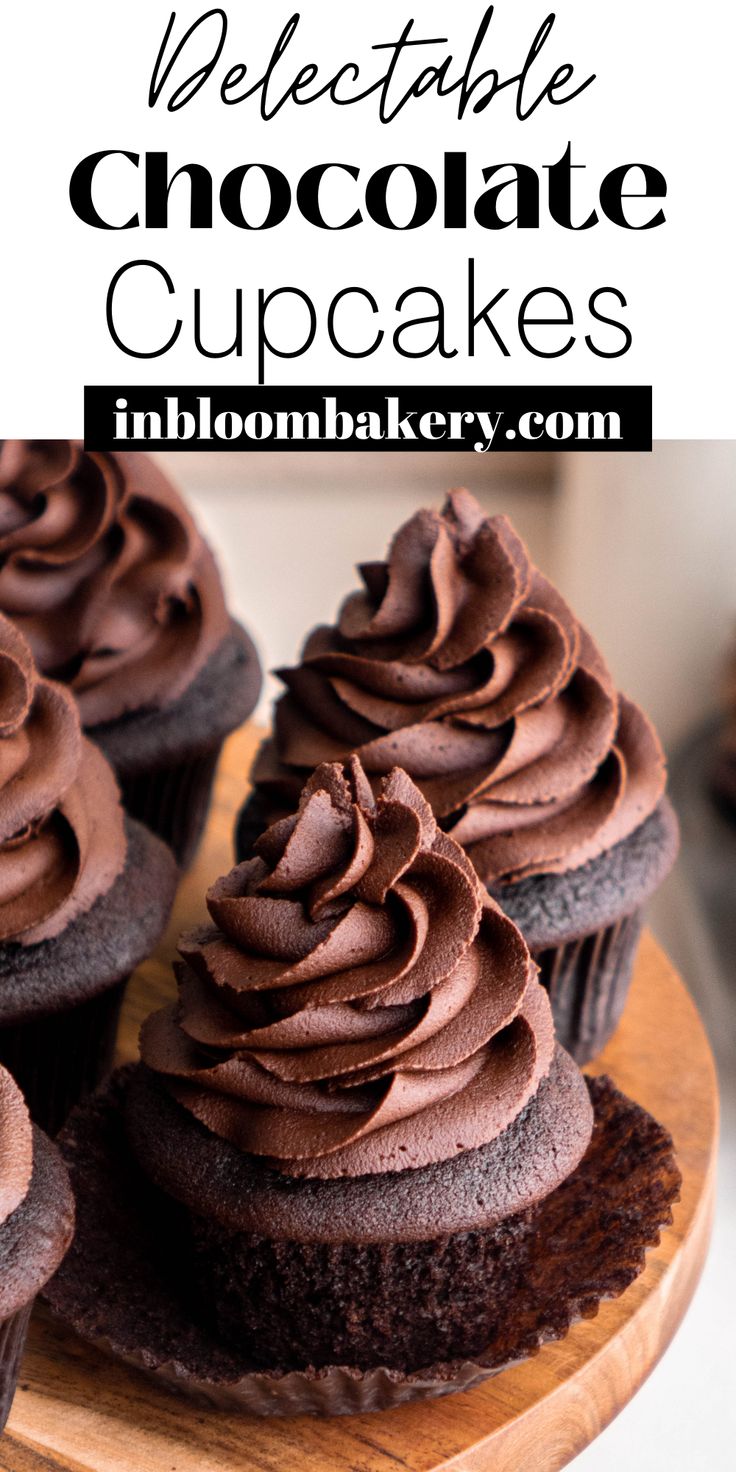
13,1333
335,1391
588,982
58,1059
174,801
589,1243
165,759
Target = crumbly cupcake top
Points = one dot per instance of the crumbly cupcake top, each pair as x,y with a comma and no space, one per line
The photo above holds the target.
459,661
16,1146
360,1004
62,839
105,573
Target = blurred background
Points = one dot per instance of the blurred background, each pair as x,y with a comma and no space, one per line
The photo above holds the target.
644,548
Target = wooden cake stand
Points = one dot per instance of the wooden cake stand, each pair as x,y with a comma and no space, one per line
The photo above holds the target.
78,1411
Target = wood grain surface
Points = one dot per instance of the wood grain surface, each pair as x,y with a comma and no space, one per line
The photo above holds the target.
76,1411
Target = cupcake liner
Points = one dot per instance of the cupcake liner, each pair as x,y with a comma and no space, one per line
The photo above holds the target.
173,801
589,1242
335,1391
60,1058
165,759
588,982
13,1331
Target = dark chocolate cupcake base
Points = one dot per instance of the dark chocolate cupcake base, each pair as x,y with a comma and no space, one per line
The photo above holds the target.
60,1000
247,1200
553,909
166,760
600,1220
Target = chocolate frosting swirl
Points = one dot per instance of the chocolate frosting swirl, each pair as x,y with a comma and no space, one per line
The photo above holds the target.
460,662
62,839
104,571
361,1004
16,1146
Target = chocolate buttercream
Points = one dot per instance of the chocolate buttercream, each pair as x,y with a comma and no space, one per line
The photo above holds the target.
361,1004
16,1146
460,662
105,573
62,840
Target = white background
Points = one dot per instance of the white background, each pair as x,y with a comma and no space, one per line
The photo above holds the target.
75,80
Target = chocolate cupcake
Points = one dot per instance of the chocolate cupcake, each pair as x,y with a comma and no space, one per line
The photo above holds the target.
36,1226
462,663
108,578
353,1138
85,893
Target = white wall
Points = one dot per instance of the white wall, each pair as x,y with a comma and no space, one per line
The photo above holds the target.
645,549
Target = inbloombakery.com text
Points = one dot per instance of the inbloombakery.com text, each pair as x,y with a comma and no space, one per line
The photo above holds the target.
367,418
368,424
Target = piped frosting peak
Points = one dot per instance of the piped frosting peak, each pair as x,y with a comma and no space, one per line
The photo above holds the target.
461,663
106,575
359,1003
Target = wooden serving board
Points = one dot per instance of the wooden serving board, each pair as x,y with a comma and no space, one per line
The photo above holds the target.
78,1411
